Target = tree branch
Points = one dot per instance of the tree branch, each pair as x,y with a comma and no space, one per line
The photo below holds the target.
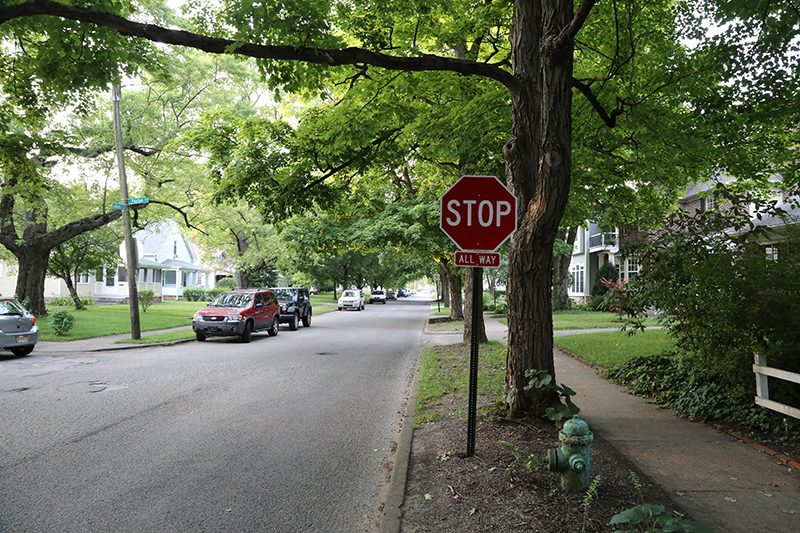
330,57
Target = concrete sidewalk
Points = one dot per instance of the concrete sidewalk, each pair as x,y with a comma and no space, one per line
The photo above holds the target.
720,481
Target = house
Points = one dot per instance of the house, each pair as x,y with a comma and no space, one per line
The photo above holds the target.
593,247
168,262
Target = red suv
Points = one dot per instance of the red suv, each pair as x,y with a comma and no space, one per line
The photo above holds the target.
238,313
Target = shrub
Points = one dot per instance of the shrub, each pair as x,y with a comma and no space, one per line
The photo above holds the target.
721,296
607,271
226,284
61,321
58,301
195,294
146,299
212,293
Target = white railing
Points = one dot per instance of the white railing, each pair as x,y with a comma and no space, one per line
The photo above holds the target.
763,373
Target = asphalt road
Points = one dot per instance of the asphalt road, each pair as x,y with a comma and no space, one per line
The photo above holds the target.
287,433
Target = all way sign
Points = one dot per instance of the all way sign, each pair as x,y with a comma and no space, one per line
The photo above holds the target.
477,259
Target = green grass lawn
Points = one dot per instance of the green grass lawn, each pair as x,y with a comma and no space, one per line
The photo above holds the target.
99,320
607,349
444,370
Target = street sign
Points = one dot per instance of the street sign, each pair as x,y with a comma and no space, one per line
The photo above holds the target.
477,259
117,206
478,213
436,277
137,201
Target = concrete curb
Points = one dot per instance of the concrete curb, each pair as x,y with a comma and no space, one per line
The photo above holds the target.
392,509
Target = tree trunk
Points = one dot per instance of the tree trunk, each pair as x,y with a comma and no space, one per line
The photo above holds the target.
538,165
73,292
561,263
468,308
453,279
30,279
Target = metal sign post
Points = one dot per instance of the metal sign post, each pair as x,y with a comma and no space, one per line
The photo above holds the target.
479,214
472,407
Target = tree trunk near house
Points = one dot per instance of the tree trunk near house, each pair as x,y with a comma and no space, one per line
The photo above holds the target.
561,263
73,293
32,249
444,285
473,273
538,165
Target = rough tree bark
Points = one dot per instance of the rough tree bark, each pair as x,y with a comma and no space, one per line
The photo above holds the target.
538,166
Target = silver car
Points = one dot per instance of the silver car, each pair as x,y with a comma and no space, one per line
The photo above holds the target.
18,330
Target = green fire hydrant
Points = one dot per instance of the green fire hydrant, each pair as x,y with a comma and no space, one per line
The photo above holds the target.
572,459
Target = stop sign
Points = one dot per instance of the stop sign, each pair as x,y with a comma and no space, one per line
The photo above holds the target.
479,213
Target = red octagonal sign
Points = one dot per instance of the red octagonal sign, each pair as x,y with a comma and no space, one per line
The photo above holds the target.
479,213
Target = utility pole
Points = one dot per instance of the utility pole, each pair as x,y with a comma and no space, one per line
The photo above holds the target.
130,246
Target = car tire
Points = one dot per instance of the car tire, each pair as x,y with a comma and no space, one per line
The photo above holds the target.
274,329
21,351
307,320
295,322
248,329
340,309
199,336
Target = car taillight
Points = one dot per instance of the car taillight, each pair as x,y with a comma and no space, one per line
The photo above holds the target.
34,321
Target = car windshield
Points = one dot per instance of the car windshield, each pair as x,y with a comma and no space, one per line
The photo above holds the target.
377,292
11,307
350,294
232,299
285,294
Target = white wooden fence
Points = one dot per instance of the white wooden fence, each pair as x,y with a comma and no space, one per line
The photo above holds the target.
762,388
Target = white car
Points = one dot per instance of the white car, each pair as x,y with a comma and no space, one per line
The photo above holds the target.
377,296
352,299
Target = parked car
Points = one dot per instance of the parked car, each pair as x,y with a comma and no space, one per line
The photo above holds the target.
352,299
295,305
390,295
238,313
18,330
377,296
402,293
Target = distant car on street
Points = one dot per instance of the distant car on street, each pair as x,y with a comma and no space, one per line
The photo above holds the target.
238,313
18,330
377,296
352,299
390,295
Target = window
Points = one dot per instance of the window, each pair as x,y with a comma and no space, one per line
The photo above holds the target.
122,274
170,277
631,268
83,277
156,276
772,252
175,249
578,282
109,275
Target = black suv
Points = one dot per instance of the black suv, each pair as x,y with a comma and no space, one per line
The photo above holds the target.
295,305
